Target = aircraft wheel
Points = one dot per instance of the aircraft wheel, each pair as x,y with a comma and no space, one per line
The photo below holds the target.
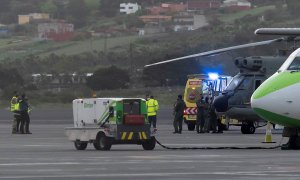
79,145
248,129
251,129
149,144
244,129
191,127
102,142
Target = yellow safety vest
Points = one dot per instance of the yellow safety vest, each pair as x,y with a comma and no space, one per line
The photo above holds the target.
14,104
152,107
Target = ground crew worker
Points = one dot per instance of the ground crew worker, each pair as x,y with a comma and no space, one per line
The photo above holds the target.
147,97
200,121
24,109
292,133
178,112
152,108
14,108
212,124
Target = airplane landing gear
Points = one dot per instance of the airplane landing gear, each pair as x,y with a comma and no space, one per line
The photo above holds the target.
248,128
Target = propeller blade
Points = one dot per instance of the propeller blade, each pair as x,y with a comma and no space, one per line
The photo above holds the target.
218,51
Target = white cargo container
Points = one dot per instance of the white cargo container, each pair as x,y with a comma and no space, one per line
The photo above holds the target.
87,112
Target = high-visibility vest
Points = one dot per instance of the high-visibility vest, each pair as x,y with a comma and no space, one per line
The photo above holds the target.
14,104
152,107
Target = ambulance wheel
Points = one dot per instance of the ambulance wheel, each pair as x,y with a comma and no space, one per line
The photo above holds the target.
149,144
191,127
102,142
79,145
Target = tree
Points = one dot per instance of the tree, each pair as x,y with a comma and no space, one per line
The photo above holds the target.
171,73
109,8
77,12
293,7
133,21
4,5
49,7
10,77
108,78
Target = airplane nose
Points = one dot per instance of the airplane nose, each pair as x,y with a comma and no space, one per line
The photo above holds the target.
260,99
221,103
266,100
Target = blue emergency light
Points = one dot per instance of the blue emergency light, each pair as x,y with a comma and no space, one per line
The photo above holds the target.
213,76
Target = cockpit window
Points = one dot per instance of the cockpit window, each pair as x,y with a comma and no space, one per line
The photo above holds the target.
236,80
295,65
246,84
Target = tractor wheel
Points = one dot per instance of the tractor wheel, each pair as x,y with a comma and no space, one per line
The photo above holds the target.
102,142
79,145
149,144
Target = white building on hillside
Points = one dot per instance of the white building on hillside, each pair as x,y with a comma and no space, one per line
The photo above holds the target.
228,3
129,8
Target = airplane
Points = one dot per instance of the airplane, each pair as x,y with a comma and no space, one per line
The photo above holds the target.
234,102
277,100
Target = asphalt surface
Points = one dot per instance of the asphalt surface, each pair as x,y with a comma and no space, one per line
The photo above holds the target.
47,154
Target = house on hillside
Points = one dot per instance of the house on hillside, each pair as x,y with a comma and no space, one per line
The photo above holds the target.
25,19
236,5
62,80
155,19
165,8
194,5
129,8
56,31
183,22
188,21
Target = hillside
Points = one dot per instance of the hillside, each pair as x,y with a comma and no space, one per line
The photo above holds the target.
126,50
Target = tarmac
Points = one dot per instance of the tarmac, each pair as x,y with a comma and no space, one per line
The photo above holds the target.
47,154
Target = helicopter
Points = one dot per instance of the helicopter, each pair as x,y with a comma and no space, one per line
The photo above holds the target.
234,101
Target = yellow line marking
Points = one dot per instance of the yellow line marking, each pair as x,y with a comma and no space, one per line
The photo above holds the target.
144,135
130,135
124,135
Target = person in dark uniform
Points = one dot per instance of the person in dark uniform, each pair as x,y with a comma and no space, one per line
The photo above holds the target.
212,118
24,109
200,121
178,112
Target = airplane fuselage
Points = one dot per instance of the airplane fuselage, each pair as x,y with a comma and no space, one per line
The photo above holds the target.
278,99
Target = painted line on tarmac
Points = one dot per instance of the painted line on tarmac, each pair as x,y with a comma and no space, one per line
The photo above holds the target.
38,164
42,145
106,163
252,173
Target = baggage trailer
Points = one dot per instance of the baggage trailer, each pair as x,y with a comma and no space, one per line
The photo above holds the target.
107,121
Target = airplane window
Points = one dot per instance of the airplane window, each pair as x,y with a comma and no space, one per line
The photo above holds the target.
295,65
236,80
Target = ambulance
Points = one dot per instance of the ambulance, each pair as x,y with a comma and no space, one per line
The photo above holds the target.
198,85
